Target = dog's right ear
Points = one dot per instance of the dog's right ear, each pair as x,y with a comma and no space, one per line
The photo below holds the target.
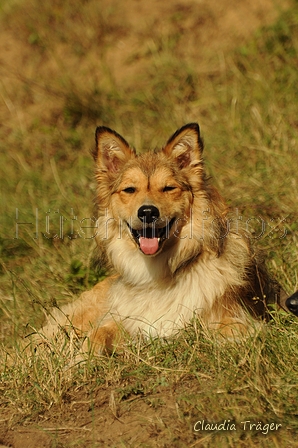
111,150
185,146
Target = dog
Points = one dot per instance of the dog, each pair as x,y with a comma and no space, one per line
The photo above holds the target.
164,232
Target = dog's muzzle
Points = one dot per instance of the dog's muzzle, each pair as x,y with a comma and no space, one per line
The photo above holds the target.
151,234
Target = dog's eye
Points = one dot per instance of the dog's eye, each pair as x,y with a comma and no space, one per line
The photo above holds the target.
169,188
129,190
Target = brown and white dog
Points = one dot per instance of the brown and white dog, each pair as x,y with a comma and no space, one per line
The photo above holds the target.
164,231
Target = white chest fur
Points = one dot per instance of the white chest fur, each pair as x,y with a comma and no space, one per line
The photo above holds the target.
148,297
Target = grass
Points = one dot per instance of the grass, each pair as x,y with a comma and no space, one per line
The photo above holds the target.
57,84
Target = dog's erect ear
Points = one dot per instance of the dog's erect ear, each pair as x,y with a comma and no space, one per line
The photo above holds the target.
185,146
111,150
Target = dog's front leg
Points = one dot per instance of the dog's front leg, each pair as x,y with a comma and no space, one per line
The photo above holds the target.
103,339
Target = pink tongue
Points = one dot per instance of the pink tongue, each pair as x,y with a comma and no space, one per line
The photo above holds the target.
149,245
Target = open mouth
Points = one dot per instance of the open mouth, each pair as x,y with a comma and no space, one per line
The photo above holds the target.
150,238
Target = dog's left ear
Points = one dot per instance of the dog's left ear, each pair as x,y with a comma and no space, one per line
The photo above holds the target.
111,150
185,146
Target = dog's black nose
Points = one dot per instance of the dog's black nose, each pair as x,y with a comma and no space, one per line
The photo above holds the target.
148,213
292,303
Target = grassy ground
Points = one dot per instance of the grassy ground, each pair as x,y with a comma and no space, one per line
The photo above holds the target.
65,68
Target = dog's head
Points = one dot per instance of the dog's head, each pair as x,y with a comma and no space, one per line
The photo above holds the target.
292,303
149,195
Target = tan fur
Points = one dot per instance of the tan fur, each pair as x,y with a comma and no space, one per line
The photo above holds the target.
200,267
